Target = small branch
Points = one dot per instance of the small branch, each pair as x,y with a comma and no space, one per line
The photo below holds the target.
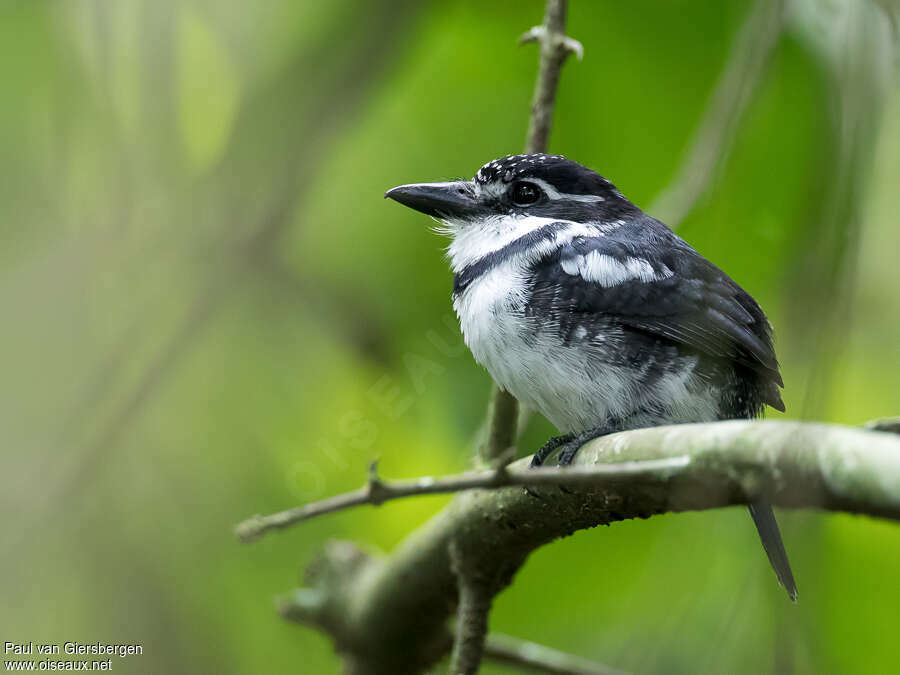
555,47
376,491
471,628
540,659
503,427
475,598
712,141
539,34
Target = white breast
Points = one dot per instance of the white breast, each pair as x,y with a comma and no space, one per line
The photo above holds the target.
572,385
534,365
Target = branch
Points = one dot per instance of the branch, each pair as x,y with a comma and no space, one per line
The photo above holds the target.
503,418
471,627
540,659
555,47
476,592
388,614
375,492
712,140
307,607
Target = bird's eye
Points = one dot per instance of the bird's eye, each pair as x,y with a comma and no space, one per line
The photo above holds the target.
524,193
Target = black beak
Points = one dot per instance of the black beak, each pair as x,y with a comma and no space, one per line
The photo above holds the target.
441,200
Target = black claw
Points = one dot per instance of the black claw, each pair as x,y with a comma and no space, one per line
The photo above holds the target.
541,455
567,455
571,448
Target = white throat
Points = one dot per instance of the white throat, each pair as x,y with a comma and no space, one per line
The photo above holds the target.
472,241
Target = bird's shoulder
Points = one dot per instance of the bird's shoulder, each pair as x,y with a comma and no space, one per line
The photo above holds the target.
648,279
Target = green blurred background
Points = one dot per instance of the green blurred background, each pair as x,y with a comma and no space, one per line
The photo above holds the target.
206,302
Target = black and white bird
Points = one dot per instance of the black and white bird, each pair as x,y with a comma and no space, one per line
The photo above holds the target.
597,315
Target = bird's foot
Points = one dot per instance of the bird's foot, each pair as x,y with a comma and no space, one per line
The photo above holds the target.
547,448
571,448
545,451
570,444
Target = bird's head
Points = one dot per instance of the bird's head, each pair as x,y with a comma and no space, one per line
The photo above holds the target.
510,197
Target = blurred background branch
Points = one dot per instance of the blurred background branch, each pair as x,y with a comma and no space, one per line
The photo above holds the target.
711,144
536,658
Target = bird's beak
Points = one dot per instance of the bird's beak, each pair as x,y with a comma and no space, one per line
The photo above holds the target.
451,201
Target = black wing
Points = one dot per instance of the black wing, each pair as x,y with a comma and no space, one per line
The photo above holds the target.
661,287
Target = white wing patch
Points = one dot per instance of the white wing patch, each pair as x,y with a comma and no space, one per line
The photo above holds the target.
608,271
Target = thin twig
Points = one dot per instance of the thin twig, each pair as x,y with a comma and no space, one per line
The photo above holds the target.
503,426
540,659
376,491
712,141
555,46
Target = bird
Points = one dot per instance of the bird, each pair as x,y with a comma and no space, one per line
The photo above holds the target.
596,314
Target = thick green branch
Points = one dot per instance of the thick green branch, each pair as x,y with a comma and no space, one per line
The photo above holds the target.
389,614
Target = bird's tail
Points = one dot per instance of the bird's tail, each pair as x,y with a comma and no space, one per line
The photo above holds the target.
766,525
